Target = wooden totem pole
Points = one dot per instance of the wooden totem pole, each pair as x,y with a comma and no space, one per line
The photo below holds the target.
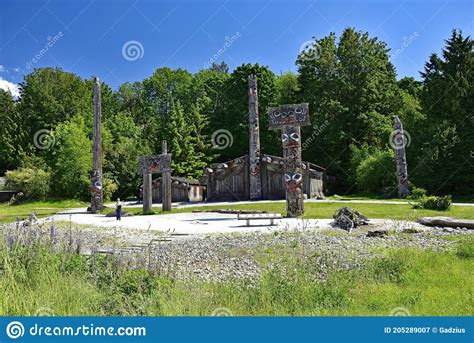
97,193
166,195
290,118
156,164
254,140
399,143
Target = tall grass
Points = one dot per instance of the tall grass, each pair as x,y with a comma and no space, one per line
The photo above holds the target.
41,276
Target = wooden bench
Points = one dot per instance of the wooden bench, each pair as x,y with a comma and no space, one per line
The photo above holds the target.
262,216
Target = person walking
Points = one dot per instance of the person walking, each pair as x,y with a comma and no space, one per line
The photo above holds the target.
118,209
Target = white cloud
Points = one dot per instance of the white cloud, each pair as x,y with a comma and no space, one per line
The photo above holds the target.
10,86
16,70
2,68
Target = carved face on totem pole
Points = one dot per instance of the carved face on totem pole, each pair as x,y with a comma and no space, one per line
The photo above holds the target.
255,166
291,138
293,181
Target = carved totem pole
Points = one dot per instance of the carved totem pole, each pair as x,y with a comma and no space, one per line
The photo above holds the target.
156,164
254,140
290,118
399,143
97,192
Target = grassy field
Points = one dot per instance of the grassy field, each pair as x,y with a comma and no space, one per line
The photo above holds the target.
326,210
9,213
36,281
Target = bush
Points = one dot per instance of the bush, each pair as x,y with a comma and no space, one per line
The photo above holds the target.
417,193
434,203
34,183
377,172
110,187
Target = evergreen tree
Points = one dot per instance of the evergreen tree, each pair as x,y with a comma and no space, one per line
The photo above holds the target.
352,91
12,138
445,163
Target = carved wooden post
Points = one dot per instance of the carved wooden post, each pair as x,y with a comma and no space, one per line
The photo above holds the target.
147,193
254,140
97,195
156,164
166,195
399,141
290,118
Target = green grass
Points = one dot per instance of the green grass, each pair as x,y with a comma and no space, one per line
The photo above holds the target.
9,213
326,210
423,282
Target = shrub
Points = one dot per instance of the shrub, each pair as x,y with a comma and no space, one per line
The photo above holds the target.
34,183
110,187
376,172
417,193
434,203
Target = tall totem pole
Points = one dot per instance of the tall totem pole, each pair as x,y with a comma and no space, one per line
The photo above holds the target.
97,192
254,140
290,118
399,143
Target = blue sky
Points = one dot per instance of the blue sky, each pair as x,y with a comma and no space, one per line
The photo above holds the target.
100,37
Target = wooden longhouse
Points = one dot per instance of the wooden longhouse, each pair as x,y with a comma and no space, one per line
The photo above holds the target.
231,180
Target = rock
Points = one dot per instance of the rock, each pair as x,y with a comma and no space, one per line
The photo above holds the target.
124,214
377,233
346,218
411,230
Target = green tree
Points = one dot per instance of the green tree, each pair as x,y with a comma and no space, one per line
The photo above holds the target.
72,160
12,137
50,96
123,146
353,94
288,88
235,119
446,163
